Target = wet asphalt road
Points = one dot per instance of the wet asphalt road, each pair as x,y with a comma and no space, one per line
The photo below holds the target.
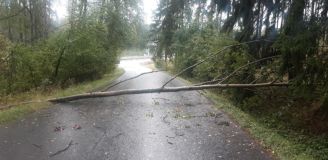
165,126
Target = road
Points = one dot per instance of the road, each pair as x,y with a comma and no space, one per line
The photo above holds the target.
165,126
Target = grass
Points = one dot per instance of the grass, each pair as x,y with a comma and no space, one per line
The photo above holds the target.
17,112
20,111
89,86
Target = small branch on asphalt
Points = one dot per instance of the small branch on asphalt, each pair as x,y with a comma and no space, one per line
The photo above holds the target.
160,90
37,146
128,79
62,150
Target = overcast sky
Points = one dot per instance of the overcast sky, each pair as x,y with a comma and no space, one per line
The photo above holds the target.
60,7
149,8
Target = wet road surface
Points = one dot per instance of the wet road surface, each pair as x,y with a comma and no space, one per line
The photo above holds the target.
165,126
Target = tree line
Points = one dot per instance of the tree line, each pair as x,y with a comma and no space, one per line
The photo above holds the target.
294,31
38,53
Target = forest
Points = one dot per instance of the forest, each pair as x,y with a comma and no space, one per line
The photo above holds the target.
286,39
281,44
36,52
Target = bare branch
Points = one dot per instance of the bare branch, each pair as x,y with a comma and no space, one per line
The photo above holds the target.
207,58
208,82
244,66
216,80
128,79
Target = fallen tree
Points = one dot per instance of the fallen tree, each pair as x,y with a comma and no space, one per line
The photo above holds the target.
161,90
201,86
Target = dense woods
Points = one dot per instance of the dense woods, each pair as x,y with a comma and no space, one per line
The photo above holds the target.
294,31
37,51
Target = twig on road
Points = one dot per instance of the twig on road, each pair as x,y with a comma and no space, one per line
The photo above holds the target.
62,150
37,146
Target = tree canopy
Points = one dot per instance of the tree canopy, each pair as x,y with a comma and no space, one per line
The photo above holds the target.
38,52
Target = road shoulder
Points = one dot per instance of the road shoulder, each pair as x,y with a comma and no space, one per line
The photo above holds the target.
12,109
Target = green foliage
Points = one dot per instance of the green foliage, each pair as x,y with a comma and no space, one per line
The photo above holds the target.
4,53
193,45
20,111
86,54
286,119
84,49
295,30
275,129
67,57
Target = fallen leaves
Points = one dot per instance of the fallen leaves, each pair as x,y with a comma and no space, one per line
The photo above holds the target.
59,128
62,128
77,127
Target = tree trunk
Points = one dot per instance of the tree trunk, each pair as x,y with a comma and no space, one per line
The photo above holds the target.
160,90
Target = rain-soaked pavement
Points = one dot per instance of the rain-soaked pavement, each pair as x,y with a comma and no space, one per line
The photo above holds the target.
165,126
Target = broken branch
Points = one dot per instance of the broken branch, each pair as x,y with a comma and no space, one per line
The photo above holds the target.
207,58
216,80
244,66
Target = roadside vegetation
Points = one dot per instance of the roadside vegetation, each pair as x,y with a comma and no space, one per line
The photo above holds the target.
291,121
43,57
15,112
269,41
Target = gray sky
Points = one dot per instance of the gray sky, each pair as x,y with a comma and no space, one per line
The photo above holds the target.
60,7
149,8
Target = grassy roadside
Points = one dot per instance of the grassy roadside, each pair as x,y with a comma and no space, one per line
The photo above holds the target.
283,143
14,113
272,134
